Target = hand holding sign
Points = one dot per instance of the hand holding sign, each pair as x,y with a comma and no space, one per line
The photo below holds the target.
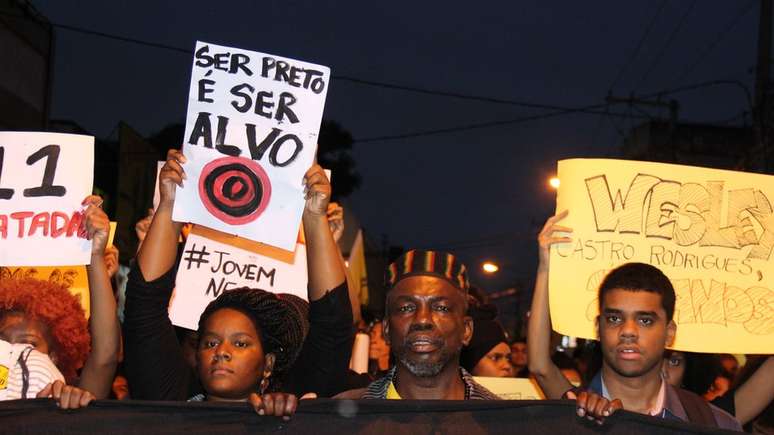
317,192
546,238
96,225
171,176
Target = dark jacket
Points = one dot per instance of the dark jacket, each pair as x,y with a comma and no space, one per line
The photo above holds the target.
673,406
154,363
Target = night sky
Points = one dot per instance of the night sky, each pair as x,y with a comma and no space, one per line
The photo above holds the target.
482,193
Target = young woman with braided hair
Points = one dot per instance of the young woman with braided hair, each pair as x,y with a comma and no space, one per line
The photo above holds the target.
248,338
154,364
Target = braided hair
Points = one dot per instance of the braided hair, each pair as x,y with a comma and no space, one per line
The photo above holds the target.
281,321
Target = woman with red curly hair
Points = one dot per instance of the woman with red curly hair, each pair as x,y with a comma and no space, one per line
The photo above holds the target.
51,319
47,316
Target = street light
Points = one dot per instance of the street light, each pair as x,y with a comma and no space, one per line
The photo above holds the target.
554,182
490,267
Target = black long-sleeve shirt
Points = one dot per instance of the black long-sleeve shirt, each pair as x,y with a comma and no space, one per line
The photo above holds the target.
156,369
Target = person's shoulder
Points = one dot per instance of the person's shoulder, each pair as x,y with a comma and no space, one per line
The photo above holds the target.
693,403
479,392
724,419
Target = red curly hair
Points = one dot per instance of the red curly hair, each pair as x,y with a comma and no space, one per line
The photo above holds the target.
57,308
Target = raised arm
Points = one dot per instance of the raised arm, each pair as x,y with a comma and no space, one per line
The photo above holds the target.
99,369
153,360
322,365
326,268
336,225
755,394
547,374
158,251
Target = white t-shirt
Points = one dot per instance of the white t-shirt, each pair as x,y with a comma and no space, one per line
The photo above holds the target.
24,371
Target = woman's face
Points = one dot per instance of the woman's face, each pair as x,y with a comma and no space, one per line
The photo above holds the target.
230,356
496,363
674,368
718,388
16,327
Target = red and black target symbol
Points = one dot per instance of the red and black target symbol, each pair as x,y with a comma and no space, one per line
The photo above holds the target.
234,189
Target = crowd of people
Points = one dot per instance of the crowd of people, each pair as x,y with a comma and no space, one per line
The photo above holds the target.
438,334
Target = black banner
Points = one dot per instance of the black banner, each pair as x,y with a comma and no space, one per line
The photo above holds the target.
326,416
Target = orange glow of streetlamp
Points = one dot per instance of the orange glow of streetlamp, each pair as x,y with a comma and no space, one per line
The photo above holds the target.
554,182
490,267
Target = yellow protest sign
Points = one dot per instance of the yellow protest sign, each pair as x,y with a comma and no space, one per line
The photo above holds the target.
75,278
710,231
72,277
112,234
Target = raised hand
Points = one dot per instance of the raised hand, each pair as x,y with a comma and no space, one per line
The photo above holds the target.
546,237
336,220
111,260
171,175
95,224
143,225
317,192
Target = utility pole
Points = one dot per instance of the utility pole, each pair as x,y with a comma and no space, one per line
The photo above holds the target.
762,118
672,105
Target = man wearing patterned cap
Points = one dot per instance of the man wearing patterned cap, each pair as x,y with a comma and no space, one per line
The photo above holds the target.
426,326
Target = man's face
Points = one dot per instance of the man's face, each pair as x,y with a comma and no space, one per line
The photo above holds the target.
633,331
426,325
519,354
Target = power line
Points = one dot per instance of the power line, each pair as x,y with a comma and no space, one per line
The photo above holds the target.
592,109
701,85
492,124
356,80
442,93
668,42
103,35
587,109
639,44
557,110
726,30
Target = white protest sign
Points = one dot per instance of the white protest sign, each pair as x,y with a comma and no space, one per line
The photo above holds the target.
512,388
251,134
210,267
710,231
44,177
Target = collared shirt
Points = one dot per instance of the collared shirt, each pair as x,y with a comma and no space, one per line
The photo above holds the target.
379,388
657,410
392,393
671,407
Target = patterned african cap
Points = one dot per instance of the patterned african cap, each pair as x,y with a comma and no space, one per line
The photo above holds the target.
420,262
